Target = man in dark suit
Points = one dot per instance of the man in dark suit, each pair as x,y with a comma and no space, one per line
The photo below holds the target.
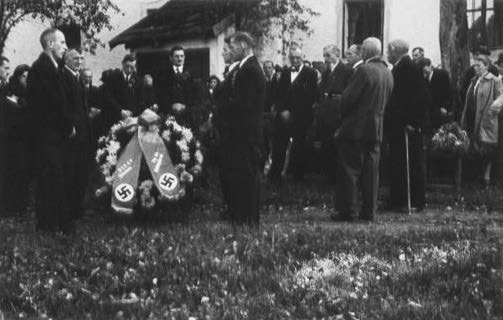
53,128
406,115
93,99
296,95
269,107
176,91
4,74
360,135
119,92
439,88
333,82
354,56
78,148
240,121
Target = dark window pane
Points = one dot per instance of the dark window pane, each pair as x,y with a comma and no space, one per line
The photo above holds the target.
364,19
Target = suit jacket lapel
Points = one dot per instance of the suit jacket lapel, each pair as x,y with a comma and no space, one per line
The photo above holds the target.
297,79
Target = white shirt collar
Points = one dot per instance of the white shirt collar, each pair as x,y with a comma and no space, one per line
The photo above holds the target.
126,77
175,68
357,64
233,65
245,59
75,73
335,66
431,75
53,61
300,69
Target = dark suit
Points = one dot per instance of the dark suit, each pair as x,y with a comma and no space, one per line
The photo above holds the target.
118,94
439,88
270,101
77,158
297,97
176,88
240,115
53,124
360,137
328,119
408,106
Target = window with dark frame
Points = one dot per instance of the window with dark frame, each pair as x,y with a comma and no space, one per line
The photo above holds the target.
362,19
485,23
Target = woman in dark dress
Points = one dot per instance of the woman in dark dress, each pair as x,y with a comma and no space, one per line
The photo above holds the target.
17,148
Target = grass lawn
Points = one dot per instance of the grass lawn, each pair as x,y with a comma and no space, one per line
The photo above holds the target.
439,264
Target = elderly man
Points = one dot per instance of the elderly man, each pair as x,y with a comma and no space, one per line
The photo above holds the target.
241,109
405,119
53,129
294,106
333,82
78,148
354,56
360,134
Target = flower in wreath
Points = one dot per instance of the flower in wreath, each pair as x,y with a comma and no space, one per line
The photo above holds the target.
183,151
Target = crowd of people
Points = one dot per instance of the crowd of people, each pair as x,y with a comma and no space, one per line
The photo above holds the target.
256,118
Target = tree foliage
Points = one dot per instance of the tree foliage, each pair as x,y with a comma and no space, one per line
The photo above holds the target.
91,16
278,18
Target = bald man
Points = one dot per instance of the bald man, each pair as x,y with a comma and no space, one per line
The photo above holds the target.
53,129
294,106
360,135
406,114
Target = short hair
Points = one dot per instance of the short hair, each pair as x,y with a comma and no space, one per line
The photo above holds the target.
332,48
3,60
484,59
129,58
46,36
86,69
420,49
213,77
399,46
371,47
424,62
307,61
357,48
176,48
278,68
268,62
243,37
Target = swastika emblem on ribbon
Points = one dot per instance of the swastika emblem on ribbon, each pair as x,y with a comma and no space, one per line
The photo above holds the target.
124,192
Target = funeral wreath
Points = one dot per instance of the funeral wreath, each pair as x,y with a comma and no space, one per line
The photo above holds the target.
147,162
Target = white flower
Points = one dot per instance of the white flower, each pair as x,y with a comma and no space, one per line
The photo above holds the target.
199,156
112,159
113,147
185,156
166,135
187,134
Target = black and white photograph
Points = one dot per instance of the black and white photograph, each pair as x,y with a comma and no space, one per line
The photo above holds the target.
251,159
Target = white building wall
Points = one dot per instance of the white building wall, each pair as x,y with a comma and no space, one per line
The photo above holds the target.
23,47
417,22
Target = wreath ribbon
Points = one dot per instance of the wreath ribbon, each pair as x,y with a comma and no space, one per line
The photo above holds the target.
148,144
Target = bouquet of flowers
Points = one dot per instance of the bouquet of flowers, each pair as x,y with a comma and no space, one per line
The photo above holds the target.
183,149
450,138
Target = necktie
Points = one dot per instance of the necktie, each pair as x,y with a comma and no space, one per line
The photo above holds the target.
294,69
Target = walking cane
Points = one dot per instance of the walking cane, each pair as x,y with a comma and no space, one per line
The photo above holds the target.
409,206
